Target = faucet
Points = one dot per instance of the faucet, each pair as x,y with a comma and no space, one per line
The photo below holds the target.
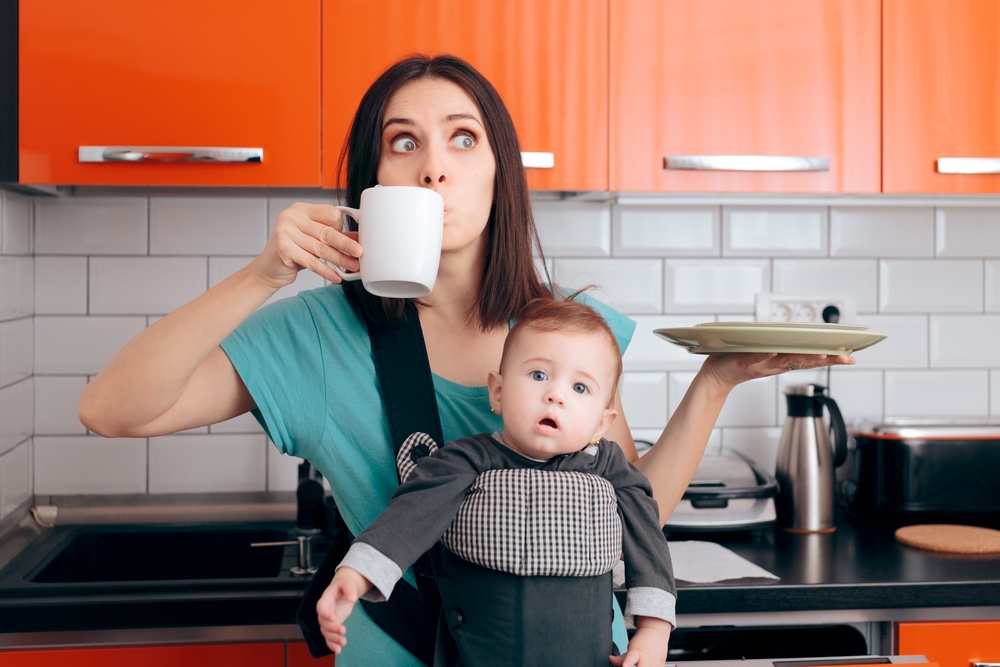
310,515
310,518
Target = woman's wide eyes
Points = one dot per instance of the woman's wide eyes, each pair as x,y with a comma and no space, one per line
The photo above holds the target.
404,145
408,145
539,375
580,388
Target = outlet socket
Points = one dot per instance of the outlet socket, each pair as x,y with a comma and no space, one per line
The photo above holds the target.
803,308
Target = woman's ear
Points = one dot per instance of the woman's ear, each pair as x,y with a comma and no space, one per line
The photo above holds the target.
493,383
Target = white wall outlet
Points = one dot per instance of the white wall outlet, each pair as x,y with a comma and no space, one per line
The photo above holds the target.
805,308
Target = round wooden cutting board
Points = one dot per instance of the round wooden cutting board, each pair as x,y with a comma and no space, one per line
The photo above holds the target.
951,538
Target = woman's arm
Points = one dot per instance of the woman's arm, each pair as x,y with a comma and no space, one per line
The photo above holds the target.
671,463
173,375
619,432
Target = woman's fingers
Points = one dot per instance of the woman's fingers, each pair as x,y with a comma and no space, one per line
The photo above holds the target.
732,368
793,362
308,236
311,252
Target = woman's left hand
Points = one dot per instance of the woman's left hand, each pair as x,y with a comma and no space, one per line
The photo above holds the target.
731,368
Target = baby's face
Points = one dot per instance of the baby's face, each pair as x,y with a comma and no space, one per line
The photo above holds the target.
554,392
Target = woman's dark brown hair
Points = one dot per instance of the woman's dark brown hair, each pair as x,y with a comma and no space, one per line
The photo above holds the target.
510,278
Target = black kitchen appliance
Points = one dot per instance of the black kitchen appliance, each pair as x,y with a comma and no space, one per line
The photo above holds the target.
925,469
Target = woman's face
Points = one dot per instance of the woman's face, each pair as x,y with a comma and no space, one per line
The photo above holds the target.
433,136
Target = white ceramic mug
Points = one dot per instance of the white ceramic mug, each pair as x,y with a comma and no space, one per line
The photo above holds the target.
399,227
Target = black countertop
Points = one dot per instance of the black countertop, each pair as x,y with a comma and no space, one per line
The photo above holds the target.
858,568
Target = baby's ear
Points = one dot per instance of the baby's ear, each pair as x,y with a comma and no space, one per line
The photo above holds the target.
493,383
607,419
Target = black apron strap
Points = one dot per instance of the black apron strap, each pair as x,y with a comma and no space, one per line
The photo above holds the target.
409,616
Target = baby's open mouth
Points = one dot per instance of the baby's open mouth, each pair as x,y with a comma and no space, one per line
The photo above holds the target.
549,422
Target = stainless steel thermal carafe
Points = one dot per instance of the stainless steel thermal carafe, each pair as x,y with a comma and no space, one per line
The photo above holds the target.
807,459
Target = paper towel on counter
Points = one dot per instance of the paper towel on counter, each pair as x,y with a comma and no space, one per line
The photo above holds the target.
703,563
707,562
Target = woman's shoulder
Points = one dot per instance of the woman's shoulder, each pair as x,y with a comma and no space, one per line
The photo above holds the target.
310,315
327,307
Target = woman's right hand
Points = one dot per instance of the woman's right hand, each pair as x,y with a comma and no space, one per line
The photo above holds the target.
306,236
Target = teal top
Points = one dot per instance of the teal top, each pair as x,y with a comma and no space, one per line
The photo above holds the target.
337,422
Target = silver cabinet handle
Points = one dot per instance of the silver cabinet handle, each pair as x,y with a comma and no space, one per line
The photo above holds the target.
975,663
968,165
538,160
168,154
747,162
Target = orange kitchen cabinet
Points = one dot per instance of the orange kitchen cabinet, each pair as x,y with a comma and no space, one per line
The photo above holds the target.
163,74
548,60
951,643
941,94
692,80
230,655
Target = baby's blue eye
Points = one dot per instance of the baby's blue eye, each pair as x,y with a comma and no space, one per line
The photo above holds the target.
539,375
580,388
404,145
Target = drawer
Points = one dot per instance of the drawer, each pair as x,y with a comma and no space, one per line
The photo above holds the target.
951,643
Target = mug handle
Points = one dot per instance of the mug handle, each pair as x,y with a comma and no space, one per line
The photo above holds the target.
356,214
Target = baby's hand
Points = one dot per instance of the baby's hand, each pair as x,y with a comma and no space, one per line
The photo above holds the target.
336,605
648,646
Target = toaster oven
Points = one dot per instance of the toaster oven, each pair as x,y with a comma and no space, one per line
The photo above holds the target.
923,469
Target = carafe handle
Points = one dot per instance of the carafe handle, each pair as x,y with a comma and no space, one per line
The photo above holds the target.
839,431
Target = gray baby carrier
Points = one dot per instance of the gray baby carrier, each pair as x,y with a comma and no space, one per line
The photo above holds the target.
518,585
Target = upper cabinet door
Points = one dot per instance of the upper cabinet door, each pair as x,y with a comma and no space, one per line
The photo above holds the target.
547,58
745,95
137,86
942,96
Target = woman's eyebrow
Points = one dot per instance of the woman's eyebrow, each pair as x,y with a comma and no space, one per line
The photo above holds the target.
463,116
450,118
396,121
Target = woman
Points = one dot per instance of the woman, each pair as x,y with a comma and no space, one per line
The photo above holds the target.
304,365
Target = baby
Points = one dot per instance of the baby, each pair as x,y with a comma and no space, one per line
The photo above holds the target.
532,520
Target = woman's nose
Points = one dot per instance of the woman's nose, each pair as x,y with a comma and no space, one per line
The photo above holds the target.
433,169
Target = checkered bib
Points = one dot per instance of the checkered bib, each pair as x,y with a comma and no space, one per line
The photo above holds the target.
538,523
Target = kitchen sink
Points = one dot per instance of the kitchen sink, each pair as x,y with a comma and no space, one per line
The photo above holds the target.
121,554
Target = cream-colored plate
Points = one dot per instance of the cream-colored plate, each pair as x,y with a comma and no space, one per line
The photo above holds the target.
786,325
782,337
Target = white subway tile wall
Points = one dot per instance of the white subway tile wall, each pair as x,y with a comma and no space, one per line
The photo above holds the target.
768,232
967,232
82,465
657,231
931,285
896,231
80,275
208,463
17,394
710,286
144,285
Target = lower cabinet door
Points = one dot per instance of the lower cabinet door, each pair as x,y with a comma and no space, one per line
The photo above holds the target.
951,643
299,656
230,655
